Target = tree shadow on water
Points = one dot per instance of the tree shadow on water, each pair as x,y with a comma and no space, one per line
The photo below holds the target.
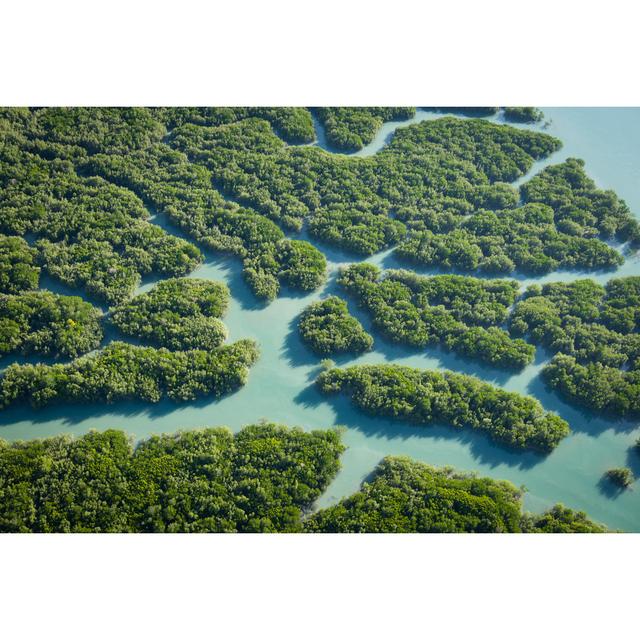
610,489
482,448
73,414
633,459
230,270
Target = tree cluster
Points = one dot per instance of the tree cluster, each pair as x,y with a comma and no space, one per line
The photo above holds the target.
621,477
352,128
595,332
262,479
48,324
258,480
460,313
123,371
327,328
91,234
293,124
167,181
179,314
523,114
580,208
425,397
594,385
429,171
525,239
18,265
562,224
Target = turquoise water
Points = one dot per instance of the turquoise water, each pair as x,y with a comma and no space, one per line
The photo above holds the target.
280,385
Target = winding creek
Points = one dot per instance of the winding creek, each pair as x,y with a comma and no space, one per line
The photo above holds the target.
280,386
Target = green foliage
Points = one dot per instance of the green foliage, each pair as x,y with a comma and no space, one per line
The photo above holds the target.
622,477
560,519
122,371
427,171
328,327
179,314
580,208
356,231
48,324
18,271
182,190
523,114
525,238
65,485
94,129
561,225
595,332
584,320
328,363
258,480
405,496
91,265
425,397
92,234
261,479
294,124
595,386
352,128
452,311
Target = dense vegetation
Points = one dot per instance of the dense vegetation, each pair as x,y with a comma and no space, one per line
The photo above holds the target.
94,233
405,496
524,239
169,183
622,477
443,180
431,170
425,397
460,313
595,386
580,208
77,186
523,114
179,314
563,223
18,269
560,519
258,480
91,233
595,331
80,131
122,371
328,327
293,124
48,324
352,128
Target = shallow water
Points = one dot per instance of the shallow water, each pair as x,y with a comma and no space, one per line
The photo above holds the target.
280,385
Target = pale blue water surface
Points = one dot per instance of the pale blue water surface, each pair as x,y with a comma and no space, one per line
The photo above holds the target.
280,386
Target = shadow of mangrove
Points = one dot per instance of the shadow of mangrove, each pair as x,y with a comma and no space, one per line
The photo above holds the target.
633,460
71,415
610,489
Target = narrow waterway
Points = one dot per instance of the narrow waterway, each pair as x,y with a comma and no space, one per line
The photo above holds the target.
280,386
